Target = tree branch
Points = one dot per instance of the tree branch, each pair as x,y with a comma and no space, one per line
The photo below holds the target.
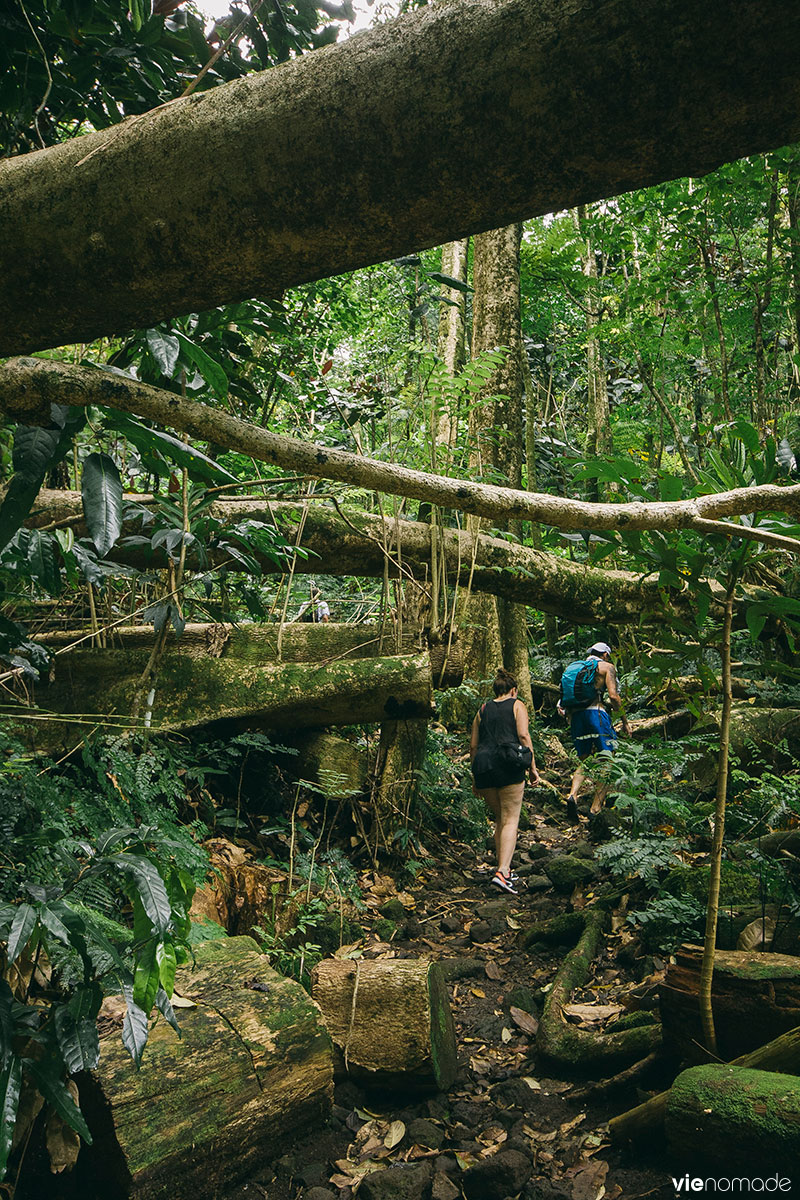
28,386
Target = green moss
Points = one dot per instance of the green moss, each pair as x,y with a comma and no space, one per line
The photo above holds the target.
385,929
634,1020
738,884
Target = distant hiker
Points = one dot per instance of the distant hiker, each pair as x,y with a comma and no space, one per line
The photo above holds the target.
582,687
501,754
316,609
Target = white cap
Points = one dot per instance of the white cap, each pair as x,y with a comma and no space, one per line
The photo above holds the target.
600,648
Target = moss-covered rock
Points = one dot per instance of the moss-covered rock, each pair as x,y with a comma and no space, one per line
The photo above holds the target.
633,1020
385,929
566,871
393,911
522,997
739,885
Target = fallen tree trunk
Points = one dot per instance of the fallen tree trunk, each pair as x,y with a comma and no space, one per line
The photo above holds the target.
755,996
390,1019
348,542
252,1070
94,688
645,1123
398,160
566,1048
732,1117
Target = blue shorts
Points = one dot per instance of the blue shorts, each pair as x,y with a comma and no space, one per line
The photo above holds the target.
592,731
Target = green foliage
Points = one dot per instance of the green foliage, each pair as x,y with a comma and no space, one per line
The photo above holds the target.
446,802
647,857
668,921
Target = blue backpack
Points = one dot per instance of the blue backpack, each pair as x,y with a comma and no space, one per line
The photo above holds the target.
578,684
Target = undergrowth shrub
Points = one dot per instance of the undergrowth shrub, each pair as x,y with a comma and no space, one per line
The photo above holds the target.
97,882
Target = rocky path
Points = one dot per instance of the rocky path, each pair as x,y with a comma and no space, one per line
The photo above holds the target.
506,1128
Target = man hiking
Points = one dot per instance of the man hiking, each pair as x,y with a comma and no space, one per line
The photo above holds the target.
582,686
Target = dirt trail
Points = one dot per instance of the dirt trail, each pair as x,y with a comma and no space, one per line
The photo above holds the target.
506,1127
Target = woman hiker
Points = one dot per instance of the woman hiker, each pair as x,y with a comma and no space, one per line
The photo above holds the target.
498,745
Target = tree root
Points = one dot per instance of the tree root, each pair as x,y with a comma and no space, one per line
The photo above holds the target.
578,1050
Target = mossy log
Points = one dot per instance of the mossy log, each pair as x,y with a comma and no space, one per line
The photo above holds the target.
755,996
253,644
645,1123
94,687
390,1019
734,1117
252,1070
565,1048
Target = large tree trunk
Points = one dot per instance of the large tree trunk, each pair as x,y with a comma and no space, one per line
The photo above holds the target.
390,1019
252,1070
196,203
451,341
28,386
496,441
735,1118
598,431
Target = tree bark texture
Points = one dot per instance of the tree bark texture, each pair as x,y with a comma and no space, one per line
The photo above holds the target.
732,1117
252,1070
28,386
451,341
598,432
94,687
496,442
755,997
645,1123
401,754
253,186
391,1019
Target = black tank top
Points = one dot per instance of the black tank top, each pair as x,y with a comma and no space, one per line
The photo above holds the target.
497,724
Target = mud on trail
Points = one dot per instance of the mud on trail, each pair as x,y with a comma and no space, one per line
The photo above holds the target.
507,1126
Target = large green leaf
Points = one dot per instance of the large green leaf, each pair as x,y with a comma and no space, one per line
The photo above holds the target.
21,929
150,887
78,1040
101,491
167,964
165,349
47,1075
208,367
10,1084
134,1027
154,441
146,978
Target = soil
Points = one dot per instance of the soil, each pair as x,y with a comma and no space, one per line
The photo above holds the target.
502,1102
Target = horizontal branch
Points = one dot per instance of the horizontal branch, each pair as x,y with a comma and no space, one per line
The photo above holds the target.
28,386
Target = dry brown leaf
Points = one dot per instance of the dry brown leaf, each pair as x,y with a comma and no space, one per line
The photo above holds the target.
395,1134
182,1002
481,1066
493,971
532,1083
590,1183
569,1125
479,993
512,924
591,1013
524,1021
506,1035
63,1143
